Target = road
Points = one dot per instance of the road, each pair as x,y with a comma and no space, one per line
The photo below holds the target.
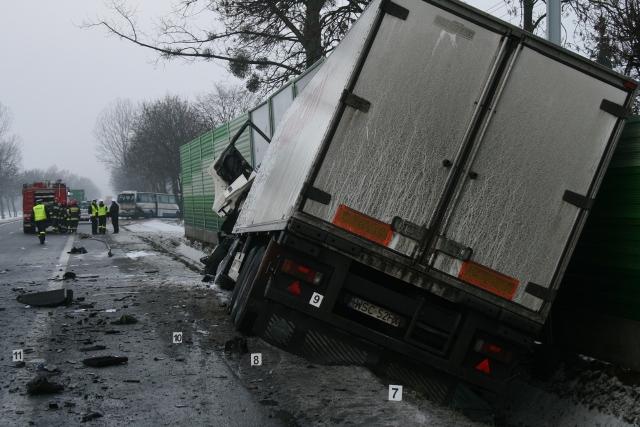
161,384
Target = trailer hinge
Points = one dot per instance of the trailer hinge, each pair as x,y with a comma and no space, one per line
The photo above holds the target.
615,109
453,248
583,202
317,195
355,101
408,229
540,291
394,9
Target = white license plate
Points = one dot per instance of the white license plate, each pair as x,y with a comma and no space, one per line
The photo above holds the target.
374,311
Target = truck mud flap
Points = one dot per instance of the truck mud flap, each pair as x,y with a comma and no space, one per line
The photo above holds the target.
319,344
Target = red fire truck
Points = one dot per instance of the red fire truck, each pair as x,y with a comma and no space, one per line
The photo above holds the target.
47,191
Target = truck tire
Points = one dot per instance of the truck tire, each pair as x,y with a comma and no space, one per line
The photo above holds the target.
241,316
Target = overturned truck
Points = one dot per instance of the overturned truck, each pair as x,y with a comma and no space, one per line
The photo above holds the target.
425,192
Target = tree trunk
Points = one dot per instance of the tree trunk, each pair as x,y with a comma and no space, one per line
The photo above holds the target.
13,206
2,207
527,15
312,32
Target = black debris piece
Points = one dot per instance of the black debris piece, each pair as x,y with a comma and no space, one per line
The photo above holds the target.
112,332
152,271
125,319
94,348
47,298
41,385
69,275
236,345
19,364
131,381
54,405
80,250
207,278
91,416
103,361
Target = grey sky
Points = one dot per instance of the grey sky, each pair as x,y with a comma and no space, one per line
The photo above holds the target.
56,77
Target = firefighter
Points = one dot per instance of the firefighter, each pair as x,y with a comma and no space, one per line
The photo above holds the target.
62,218
40,217
53,215
74,216
93,212
102,217
114,212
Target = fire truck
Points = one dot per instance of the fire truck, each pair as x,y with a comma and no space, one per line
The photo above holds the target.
49,192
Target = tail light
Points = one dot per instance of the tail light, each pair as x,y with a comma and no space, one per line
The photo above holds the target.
294,288
300,271
493,351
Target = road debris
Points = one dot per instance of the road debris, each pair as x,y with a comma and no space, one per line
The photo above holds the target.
69,275
93,348
41,385
77,250
104,361
91,416
236,345
125,319
53,298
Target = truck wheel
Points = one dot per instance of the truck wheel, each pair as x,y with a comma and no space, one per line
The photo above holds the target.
241,316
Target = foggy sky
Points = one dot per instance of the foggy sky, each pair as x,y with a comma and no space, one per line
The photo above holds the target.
56,77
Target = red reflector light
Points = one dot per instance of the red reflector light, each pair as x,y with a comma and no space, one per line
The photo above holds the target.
488,279
295,288
492,350
631,85
363,225
301,272
484,367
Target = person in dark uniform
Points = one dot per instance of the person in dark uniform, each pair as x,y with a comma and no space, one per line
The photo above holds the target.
114,211
93,212
74,217
40,217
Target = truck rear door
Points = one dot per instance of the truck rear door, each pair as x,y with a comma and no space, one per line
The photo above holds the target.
424,78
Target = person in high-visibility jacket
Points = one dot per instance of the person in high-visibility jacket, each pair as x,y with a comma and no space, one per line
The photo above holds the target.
93,212
74,216
102,217
40,217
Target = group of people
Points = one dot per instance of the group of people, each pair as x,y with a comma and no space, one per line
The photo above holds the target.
99,212
63,219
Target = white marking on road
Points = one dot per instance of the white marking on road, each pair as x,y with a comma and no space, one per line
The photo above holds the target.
61,266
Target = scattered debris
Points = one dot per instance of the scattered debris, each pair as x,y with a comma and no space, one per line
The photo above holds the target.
207,278
110,310
41,385
69,275
91,416
103,361
131,381
47,298
112,332
54,405
19,364
125,319
152,271
79,250
94,348
236,345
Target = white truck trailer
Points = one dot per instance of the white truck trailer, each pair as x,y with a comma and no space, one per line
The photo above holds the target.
425,192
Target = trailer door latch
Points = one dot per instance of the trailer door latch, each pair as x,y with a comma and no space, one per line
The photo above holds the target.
540,291
583,202
355,101
394,9
408,229
453,248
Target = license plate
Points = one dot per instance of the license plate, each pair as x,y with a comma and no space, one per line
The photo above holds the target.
374,311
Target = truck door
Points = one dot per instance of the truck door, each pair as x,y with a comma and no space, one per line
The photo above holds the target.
530,178
407,118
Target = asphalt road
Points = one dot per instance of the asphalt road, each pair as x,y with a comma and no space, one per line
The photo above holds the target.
161,384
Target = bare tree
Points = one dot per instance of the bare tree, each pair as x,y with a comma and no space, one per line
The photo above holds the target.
225,103
263,41
10,159
113,130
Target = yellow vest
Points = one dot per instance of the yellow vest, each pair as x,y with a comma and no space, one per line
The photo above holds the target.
94,209
39,212
102,210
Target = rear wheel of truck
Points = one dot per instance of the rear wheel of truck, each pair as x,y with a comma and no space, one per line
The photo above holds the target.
241,316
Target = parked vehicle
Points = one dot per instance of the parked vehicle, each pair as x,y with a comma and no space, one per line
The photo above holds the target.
85,207
135,204
424,200
77,195
49,192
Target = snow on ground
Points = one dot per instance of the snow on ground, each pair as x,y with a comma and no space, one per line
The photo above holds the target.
137,254
171,227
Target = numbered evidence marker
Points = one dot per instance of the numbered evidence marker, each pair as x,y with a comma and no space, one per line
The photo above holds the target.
17,355
395,393
177,337
256,359
316,299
